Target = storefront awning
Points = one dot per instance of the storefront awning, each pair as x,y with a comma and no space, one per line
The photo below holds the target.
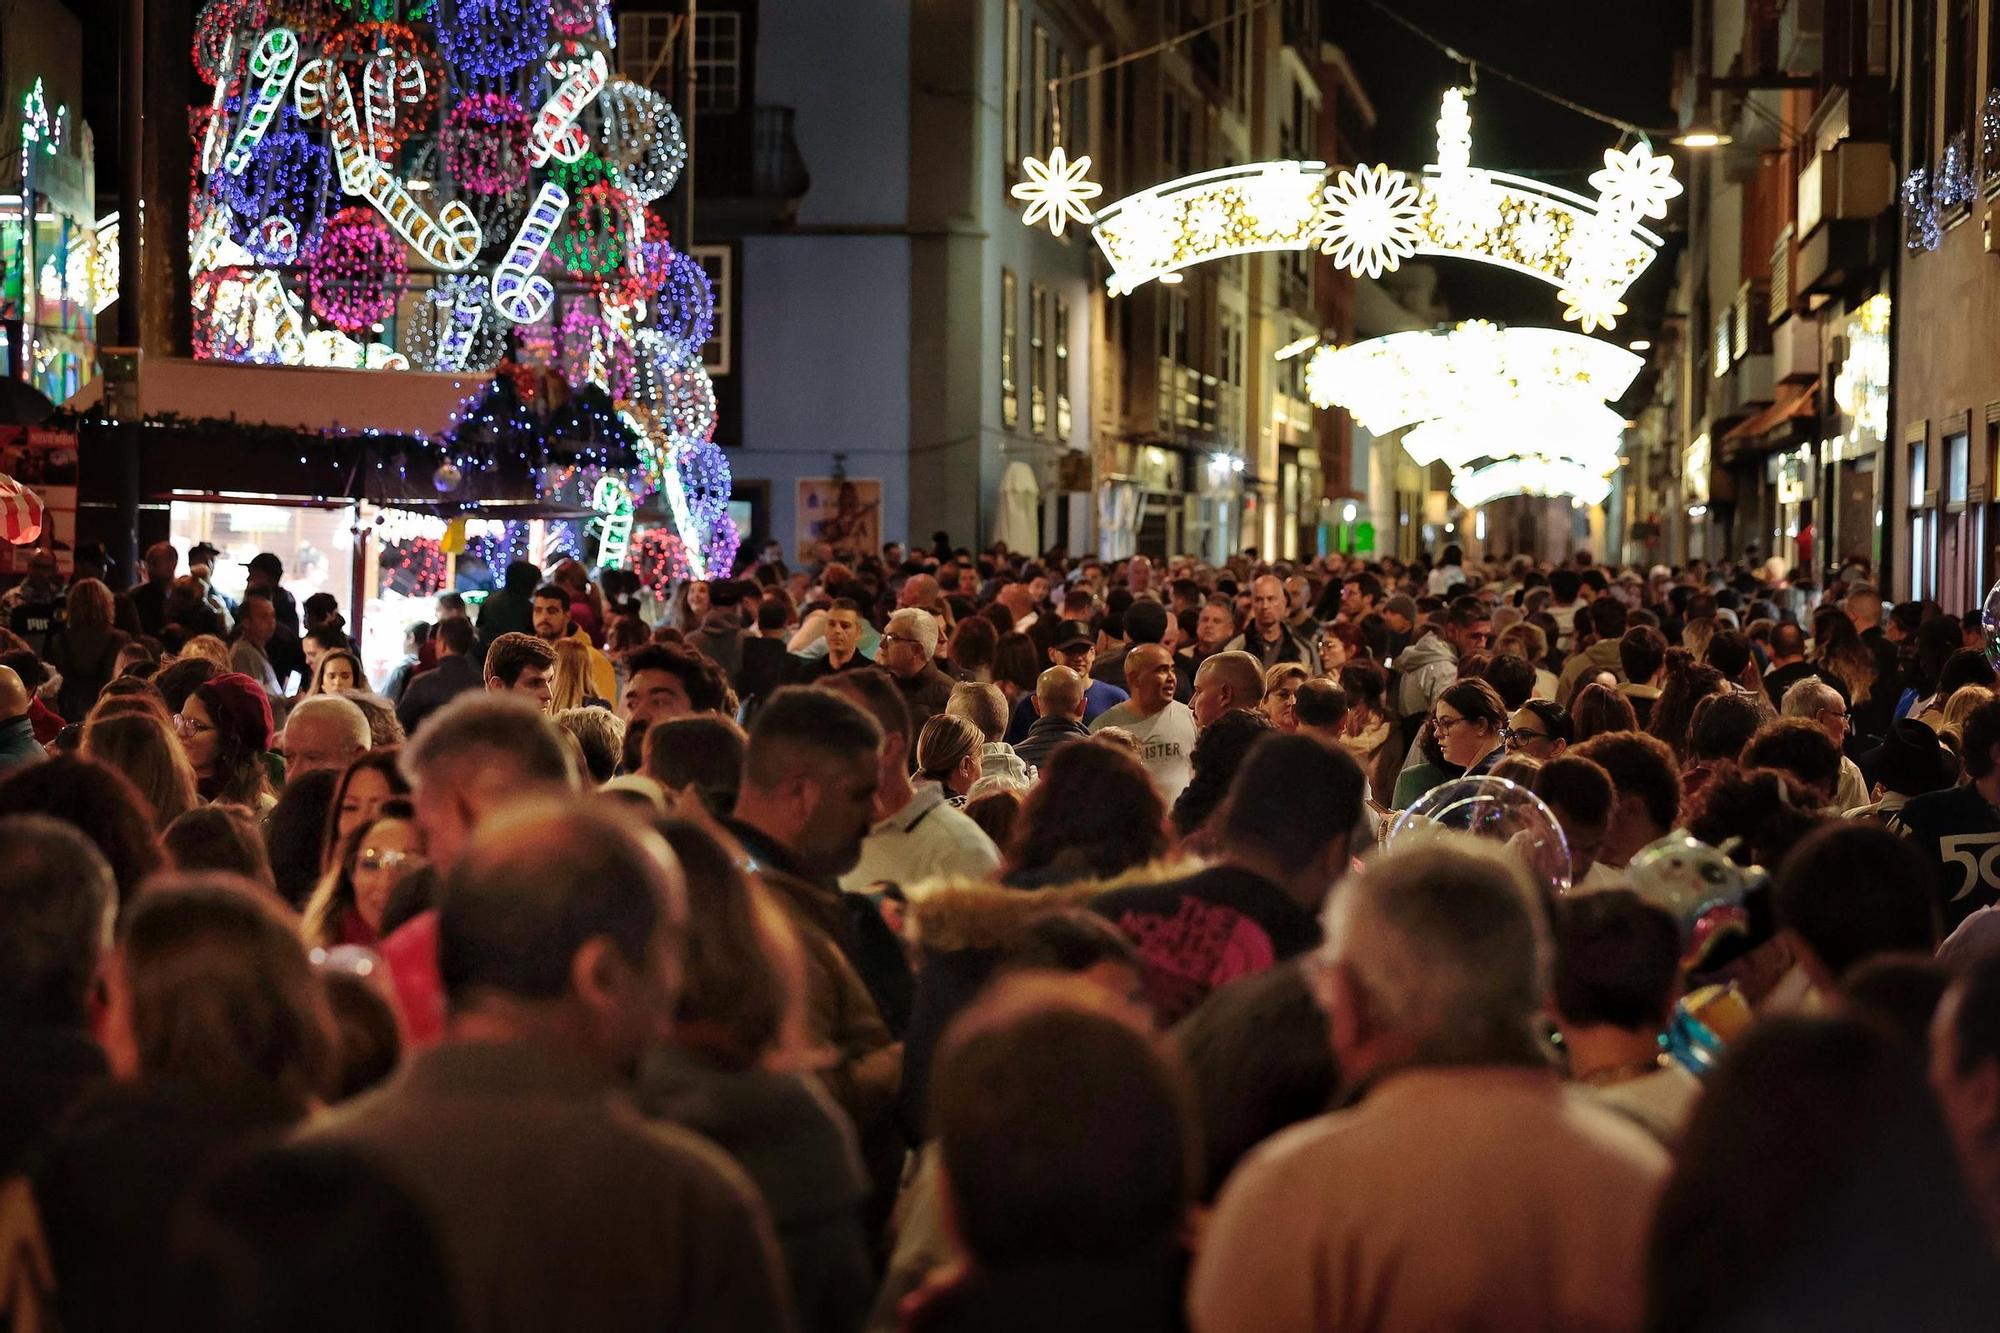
1802,404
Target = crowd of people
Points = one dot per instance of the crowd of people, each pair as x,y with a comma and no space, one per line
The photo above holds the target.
929,939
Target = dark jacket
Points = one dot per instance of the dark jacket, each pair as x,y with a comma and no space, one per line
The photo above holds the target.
113,1175
85,662
1047,734
48,1069
149,599
557,1205
1782,679
721,638
766,666
1289,646
851,979
452,676
505,613
926,693
800,1150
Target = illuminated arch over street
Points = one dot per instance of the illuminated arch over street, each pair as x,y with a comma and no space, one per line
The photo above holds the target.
1371,218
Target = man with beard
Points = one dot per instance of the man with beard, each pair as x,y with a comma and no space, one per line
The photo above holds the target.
808,798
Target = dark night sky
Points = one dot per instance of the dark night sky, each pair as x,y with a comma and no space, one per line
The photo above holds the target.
1616,56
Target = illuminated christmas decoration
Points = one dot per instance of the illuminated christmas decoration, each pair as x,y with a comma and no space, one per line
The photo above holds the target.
556,132
458,186
485,144
641,137
1477,368
1370,222
354,269
1586,433
1921,228
272,65
520,293
1637,183
612,500
1370,218
1530,476
491,39
595,236
1057,190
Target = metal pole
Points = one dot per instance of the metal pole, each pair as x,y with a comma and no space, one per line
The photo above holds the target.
131,248
687,132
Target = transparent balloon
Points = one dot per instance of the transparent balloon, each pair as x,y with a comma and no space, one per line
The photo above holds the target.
1494,808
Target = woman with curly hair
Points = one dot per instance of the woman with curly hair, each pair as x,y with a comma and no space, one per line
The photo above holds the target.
1094,814
226,726
1685,684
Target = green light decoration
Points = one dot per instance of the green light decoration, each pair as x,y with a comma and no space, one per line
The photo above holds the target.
595,232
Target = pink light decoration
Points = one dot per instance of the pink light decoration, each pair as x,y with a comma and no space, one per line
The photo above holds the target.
485,144
357,268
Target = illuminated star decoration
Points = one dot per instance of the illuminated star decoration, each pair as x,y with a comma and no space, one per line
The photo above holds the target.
1636,183
1370,221
1057,190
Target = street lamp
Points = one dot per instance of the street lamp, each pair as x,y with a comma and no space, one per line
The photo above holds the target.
1704,133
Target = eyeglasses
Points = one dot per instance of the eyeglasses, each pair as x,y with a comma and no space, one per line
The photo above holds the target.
1841,717
370,859
901,638
1443,725
1518,737
189,728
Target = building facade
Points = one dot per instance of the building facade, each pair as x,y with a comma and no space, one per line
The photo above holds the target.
1766,433
1945,395
897,354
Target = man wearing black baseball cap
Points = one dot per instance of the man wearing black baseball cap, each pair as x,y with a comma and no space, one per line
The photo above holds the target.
1074,645
266,576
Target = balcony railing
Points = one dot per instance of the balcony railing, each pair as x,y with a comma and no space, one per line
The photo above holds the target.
1781,276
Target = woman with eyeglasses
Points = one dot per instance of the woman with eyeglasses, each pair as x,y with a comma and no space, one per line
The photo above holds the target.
1461,738
348,905
225,727
1540,729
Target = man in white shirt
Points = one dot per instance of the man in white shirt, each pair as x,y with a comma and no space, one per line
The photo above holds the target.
917,838
1164,726
1817,701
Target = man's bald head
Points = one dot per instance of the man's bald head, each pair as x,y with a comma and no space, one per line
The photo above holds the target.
1226,681
919,590
1149,676
13,695
1059,693
574,908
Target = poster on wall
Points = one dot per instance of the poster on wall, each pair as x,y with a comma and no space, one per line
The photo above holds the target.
45,462
844,512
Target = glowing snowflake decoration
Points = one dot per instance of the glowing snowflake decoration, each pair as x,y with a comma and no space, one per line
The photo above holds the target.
1590,307
1057,190
1371,220
1207,220
1635,183
1536,238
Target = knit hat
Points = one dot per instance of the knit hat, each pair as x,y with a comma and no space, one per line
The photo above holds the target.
1403,605
241,710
